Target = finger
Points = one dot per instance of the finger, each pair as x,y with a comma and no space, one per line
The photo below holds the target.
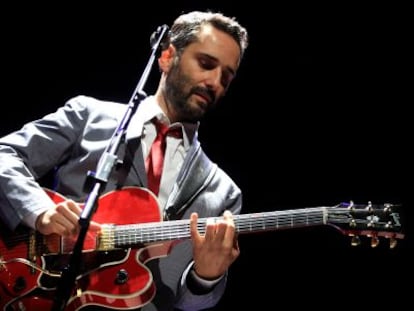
195,236
73,214
67,216
210,229
95,226
58,228
221,228
227,215
73,210
230,233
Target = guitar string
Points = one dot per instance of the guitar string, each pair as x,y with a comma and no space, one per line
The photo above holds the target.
125,233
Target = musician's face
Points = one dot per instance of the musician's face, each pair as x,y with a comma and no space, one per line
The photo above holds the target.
201,74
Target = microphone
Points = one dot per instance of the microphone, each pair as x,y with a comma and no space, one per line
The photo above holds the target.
161,37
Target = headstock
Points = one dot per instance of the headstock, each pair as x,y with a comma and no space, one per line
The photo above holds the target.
371,220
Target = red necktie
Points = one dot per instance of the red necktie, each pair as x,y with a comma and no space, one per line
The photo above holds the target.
155,160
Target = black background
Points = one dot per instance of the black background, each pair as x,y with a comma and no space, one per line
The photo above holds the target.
323,87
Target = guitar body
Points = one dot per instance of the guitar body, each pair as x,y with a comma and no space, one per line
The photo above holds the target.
30,264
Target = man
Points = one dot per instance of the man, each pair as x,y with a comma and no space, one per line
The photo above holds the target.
167,270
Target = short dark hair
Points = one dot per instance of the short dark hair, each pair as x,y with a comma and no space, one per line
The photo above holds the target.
185,29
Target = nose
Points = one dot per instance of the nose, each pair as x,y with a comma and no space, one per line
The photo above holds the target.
214,80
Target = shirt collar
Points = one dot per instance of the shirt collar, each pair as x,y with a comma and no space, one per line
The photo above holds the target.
147,110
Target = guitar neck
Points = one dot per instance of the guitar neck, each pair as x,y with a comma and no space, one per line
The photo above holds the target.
120,236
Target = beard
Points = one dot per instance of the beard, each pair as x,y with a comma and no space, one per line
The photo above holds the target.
178,92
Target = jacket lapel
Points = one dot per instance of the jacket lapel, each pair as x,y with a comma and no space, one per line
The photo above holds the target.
193,177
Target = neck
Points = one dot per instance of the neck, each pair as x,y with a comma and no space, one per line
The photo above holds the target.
167,109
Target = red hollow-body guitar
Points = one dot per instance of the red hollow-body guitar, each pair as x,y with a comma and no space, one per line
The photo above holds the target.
114,273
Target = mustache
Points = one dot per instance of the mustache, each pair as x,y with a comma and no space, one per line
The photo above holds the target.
205,92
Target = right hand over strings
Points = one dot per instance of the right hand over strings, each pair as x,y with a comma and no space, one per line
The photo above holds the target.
62,219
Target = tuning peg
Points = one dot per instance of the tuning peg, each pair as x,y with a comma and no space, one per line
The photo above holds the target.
369,206
355,240
393,242
387,208
374,241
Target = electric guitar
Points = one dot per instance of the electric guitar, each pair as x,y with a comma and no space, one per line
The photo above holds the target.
114,272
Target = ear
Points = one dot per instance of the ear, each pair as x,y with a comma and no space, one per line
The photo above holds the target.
166,58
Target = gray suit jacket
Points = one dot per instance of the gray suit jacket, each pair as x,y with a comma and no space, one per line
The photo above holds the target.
70,142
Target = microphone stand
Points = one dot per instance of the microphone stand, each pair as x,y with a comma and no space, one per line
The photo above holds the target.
99,178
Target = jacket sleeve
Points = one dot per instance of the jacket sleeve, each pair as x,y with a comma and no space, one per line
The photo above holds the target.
221,194
28,154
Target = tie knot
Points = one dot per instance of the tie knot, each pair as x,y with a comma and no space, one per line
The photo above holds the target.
164,130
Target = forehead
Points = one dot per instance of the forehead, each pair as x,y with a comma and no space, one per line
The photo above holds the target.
219,45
